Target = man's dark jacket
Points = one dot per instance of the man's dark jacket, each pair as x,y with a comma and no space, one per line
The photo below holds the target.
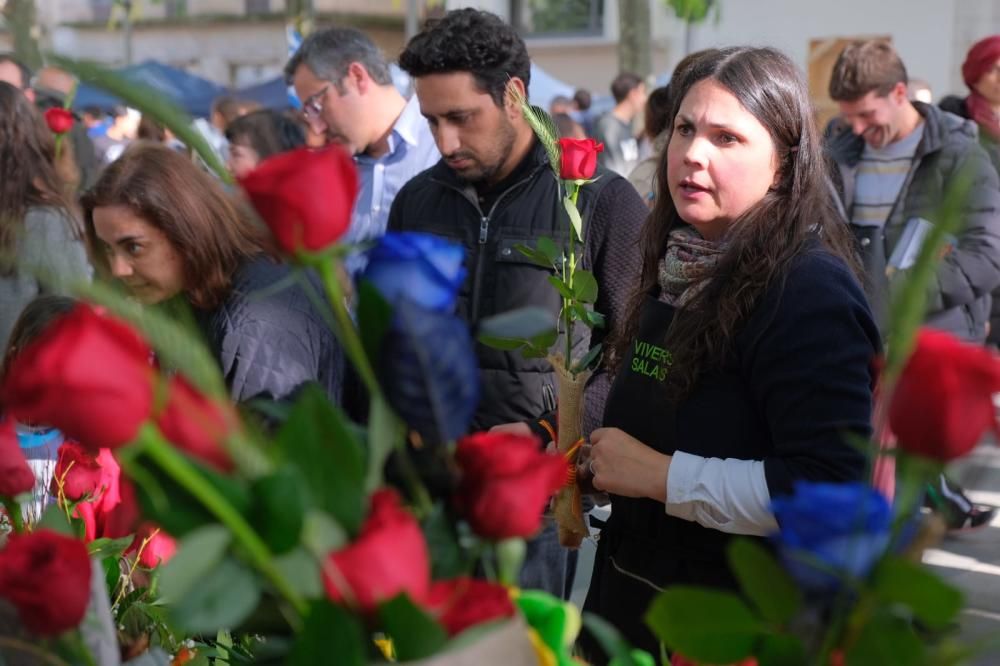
949,150
500,278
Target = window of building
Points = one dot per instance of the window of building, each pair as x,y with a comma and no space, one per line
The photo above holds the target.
101,9
258,6
555,18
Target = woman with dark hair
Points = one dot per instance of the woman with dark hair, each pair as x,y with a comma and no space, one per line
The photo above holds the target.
745,356
259,135
166,229
41,244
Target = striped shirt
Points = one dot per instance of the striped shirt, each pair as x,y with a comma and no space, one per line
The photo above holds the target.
880,177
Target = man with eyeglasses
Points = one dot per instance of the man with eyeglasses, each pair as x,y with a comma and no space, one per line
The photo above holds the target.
347,95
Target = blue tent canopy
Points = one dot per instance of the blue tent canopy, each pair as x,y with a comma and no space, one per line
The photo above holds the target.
191,93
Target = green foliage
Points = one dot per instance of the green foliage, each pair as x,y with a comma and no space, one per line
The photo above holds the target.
544,128
374,317
224,598
510,557
172,506
545,254
933,601
197,554
886,639
318,443
108,548
330,631
764,582
610,640
780,650
584,286
149,102
279,508
302,570
54,518
532,328
574,217
448,559
415,635
706,625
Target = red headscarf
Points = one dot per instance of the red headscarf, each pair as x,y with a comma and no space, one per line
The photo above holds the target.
980,59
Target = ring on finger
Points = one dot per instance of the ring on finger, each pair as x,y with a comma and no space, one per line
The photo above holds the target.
590,466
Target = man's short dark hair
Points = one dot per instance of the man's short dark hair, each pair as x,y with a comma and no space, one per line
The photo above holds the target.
329,53
864,66
25,72
582,99
473,41
623,84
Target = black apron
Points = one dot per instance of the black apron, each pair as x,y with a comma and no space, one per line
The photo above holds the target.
641,549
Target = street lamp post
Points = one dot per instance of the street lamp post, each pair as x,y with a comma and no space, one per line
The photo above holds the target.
127,30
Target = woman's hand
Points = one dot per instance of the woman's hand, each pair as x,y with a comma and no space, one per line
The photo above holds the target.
622,465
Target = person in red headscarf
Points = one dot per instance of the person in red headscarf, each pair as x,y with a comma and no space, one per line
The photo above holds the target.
981,72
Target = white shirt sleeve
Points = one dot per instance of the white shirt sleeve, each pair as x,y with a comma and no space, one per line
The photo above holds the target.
727,495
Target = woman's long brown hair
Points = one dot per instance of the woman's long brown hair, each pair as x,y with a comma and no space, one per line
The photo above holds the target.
199,219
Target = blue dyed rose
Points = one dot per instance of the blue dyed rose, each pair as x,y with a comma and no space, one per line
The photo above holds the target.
429,371
426,269
831,531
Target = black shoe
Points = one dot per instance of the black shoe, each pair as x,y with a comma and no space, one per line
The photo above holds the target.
976,518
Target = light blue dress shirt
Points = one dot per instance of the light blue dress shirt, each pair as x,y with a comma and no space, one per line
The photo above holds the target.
411,150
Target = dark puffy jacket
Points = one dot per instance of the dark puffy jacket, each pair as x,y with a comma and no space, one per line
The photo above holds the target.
501,279
269,337
960,296
956,105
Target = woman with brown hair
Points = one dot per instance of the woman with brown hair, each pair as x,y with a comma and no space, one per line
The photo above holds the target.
41,245
745,358
165,229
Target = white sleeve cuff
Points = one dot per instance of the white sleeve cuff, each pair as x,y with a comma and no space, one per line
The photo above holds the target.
727,495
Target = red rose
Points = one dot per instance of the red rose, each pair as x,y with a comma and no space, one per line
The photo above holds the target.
15,475
388,557
88,375
196,425
98,477
304,196
463,602
681,660
120,518
80,473
59,120
506,481
944,399
579,158
159,548
46,576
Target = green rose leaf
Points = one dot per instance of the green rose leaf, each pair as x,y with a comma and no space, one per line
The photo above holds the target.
764,582
516,328
886,639
780,650
536,256
931,599
227,595
561,287
584,286
705,625
333,632
318,442
610,640
279,508
414,633
197,554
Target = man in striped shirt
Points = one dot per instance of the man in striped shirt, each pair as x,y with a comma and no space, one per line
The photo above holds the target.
896,161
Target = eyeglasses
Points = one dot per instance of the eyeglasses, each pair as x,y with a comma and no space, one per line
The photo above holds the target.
313,106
